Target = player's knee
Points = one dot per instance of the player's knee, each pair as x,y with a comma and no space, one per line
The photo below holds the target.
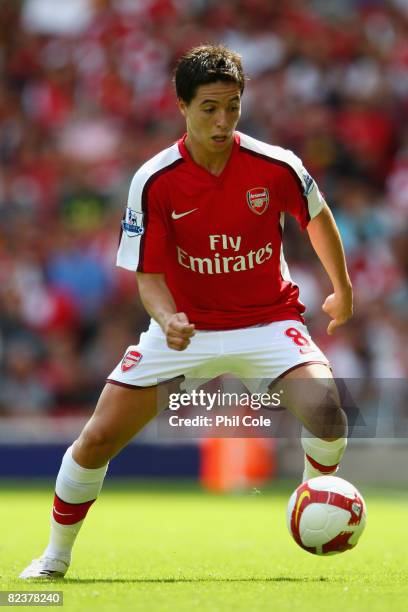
96,437
94,445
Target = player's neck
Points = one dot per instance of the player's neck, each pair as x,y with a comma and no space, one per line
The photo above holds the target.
212,162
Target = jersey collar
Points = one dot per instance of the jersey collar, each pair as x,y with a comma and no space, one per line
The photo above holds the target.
187,157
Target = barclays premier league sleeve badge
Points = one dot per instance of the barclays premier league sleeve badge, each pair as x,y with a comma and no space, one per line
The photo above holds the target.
307,181
132,224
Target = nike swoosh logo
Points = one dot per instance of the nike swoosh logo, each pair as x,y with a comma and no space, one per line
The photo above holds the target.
63,513
174,215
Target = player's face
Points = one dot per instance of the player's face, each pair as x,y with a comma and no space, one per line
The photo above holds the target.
212,116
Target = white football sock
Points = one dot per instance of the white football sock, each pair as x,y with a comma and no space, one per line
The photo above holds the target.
75,490
321,457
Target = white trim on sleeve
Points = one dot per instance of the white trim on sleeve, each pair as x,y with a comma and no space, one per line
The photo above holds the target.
133,223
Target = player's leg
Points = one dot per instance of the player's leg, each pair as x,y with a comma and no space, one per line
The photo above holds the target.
119,415
310,393
286,354
128,402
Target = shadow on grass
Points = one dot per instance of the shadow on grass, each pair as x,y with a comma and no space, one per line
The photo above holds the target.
192,580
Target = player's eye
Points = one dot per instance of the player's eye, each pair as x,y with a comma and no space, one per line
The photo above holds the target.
209,110
233,109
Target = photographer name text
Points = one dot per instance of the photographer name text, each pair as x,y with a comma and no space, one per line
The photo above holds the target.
247,420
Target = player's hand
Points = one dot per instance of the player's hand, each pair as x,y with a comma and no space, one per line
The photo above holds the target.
178,331
339,306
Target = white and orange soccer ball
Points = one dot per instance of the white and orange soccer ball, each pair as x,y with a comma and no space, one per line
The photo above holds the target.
326,515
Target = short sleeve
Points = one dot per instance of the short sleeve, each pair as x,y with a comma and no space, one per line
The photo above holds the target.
143,239
299,193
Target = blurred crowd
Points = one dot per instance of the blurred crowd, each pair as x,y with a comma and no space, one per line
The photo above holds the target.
86,96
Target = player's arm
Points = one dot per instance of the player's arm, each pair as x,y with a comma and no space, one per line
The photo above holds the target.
160,305
151,239
326,242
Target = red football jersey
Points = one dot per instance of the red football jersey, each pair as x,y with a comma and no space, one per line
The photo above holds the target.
218,239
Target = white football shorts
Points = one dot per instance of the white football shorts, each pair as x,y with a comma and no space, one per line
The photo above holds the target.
258,355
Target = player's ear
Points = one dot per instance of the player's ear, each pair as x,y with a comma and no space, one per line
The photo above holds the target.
182,106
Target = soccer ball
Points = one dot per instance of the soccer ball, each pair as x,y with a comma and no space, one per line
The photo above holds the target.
326,515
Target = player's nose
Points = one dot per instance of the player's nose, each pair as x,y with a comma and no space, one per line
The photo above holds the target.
221,119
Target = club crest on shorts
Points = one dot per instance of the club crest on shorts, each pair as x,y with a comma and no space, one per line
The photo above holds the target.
258,199
130,360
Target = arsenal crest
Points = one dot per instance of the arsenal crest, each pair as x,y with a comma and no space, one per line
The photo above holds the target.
130,360
258,199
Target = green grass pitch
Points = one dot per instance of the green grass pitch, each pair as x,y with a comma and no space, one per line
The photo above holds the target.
174,547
